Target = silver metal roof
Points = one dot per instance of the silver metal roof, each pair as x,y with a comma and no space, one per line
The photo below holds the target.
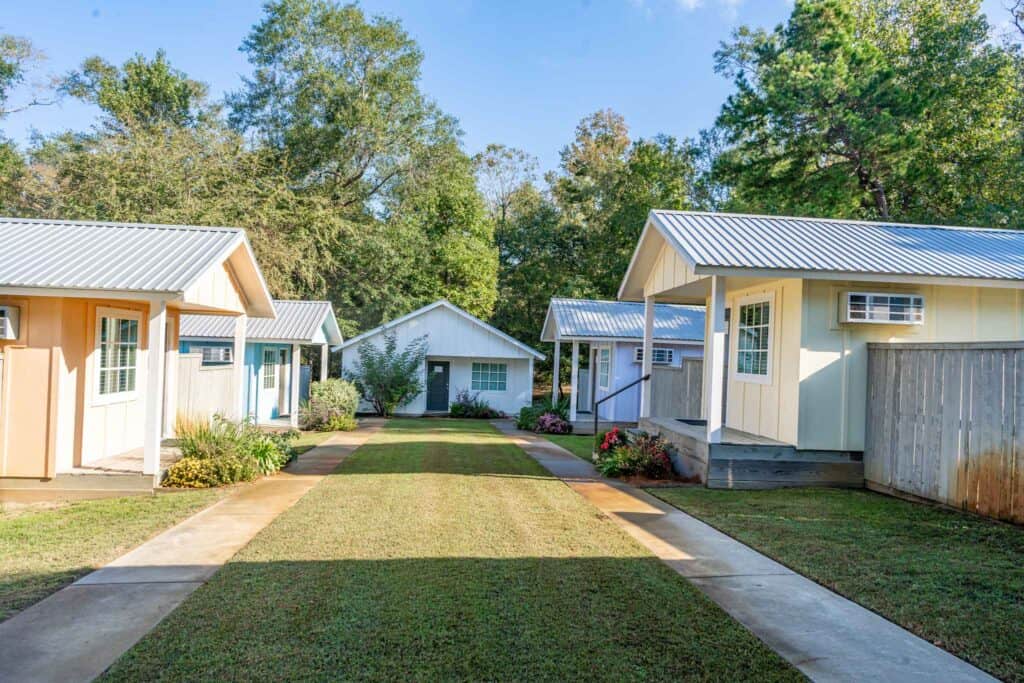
108,256
720,240
296,321
587,318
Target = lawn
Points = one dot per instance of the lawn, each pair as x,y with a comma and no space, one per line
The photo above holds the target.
580,446
309,440
441,551
44,549
954,579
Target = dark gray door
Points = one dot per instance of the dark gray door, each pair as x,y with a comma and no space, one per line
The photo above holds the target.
437,385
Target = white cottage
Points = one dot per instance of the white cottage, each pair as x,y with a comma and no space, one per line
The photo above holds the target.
463,353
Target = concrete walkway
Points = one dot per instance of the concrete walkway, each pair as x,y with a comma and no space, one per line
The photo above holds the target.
78,632
824,635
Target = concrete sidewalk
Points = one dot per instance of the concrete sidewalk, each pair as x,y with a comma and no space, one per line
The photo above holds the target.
824,635
78,632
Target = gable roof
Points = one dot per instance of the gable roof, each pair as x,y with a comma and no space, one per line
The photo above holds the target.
122,257
806,247
443,303
296,321
592,319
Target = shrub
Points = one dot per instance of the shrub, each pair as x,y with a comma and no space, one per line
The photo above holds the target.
386,377
340,423
644,455
528,416
329,403
612,439
472,406
201,473
219,451
552,423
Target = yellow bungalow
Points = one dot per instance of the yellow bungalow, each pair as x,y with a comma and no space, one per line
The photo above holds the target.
791,306
82,307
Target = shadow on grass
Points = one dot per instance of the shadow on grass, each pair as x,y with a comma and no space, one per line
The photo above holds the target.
601,618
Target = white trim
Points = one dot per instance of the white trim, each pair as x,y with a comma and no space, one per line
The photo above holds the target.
737,305
274,352
488,362
96,398
608,385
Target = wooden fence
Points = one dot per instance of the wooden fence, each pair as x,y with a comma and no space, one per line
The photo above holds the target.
203,392
676,392
944,422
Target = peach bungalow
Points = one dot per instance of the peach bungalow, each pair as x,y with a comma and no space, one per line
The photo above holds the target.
83,306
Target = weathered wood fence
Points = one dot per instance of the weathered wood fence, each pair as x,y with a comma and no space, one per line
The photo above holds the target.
944,422
675,392
203,392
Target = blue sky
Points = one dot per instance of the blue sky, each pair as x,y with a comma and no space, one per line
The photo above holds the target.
520,72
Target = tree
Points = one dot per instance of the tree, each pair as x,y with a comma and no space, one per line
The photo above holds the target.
387,377
874,109
17,57
139,93
338,96
501,171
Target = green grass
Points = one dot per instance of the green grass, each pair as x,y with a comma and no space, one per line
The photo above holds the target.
580,446
441,551
44,549
954,579
309,440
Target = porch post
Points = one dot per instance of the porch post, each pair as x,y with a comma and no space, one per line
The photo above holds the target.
241,381
574,380
325,358
714,359
556,361
293,409
156,339
170,410
648,359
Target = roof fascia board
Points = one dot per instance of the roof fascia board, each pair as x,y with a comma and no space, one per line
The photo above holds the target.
653,221
76,293
779,273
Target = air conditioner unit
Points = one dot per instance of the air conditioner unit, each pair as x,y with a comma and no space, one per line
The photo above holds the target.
9,316
882,308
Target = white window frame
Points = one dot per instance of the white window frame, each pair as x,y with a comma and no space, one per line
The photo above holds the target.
226,354
494,369
734,361
667,355
263,369
607,383
97,365
914,297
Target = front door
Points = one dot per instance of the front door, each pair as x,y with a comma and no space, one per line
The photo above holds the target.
437,385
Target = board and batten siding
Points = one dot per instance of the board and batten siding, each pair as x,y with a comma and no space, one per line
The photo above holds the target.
676,391
944,422
204,391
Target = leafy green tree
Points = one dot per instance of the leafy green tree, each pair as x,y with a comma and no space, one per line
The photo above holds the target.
873,109
140,93
386,377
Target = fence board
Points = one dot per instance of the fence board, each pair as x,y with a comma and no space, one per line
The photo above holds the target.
676,392
943,424
203,392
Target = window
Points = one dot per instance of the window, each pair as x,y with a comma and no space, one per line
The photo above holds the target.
753,335
658,357
118,347
490,376
269,369
894,309
216,355
604,367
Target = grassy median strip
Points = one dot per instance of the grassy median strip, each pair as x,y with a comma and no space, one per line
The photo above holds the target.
952,578
578,445
43,549
441,551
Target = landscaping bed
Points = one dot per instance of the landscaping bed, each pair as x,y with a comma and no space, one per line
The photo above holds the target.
441,551
952,578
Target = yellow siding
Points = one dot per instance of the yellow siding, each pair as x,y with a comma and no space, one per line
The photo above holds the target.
833,356
670,271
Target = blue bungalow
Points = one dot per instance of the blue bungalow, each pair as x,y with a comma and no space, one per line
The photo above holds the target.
613,332
274,379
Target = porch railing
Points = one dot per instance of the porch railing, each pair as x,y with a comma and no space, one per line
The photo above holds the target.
597,404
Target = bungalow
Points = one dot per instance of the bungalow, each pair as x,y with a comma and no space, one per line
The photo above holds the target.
613,332
464,353
273,383
792,304
89,316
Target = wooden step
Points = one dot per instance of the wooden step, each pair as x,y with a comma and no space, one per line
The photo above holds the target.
775,473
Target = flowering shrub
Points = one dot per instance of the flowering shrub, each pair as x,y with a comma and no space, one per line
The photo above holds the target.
551,423
645,455
471,405
612,439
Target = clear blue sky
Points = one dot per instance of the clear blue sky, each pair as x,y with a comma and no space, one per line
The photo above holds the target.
520,72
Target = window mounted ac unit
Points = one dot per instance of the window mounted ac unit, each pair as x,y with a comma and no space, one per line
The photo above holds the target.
882,308
9,318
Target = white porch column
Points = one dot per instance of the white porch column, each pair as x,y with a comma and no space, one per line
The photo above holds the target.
574,389
556,362
293,409
529,395
238,366
714,359
170,410
325,358
156,334
648,360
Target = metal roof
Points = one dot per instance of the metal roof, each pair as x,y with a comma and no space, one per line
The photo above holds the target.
587,318
296,321
108,256
721,240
